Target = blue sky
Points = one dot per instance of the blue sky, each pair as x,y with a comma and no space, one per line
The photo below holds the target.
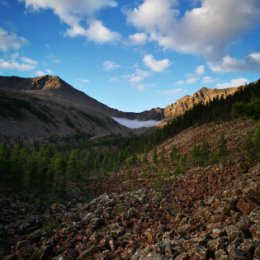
133,55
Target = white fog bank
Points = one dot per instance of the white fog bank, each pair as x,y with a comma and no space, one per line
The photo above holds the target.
135,123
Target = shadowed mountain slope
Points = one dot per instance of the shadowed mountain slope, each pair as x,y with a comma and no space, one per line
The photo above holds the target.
44,107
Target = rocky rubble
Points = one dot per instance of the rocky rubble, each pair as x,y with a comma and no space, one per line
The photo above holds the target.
205,214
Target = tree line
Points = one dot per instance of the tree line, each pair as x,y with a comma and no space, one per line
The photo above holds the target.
55,169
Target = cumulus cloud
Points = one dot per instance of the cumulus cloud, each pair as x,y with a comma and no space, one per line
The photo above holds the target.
137,38
10,41
135,123
205,30
138,76
156,65
110,65
136,79
192,77
97,32
233,83
200,70
15,62
28,60
74,13
248,63
152,15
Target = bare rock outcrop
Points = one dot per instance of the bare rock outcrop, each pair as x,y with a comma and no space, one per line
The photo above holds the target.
203,96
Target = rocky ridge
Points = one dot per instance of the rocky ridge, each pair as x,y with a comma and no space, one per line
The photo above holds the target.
203,96
53,86
58,109
56,89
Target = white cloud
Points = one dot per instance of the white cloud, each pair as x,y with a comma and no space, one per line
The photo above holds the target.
173,92
156,65
200,70
233,83
138,39
152,15
136,79
110,65
15,62
77,7
206,30
29,61
97,32
10,41
138,76
248,63
74,13
40,73
192,77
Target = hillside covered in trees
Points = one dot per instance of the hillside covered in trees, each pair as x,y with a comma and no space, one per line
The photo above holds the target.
62,170
185,191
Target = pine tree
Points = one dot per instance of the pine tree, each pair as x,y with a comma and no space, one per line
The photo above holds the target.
222,147
175,154
155,156
73,169
201,154
57,172
252,146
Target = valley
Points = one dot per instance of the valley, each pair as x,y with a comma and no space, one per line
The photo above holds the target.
90,188
129,130
56,109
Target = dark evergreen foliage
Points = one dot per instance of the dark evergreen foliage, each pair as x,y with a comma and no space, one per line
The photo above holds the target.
252,146
54,169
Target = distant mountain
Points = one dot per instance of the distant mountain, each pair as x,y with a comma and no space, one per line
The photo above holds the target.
45,107
42,107
54,88
203,96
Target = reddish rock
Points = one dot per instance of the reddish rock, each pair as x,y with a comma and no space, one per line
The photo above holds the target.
246,205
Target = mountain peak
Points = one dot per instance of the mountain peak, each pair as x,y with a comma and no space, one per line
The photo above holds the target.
204,89
48,82
202,96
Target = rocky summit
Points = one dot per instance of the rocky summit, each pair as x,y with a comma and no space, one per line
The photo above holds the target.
214,215
203,96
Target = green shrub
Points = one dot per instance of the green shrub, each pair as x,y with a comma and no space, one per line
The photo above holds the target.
252,146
